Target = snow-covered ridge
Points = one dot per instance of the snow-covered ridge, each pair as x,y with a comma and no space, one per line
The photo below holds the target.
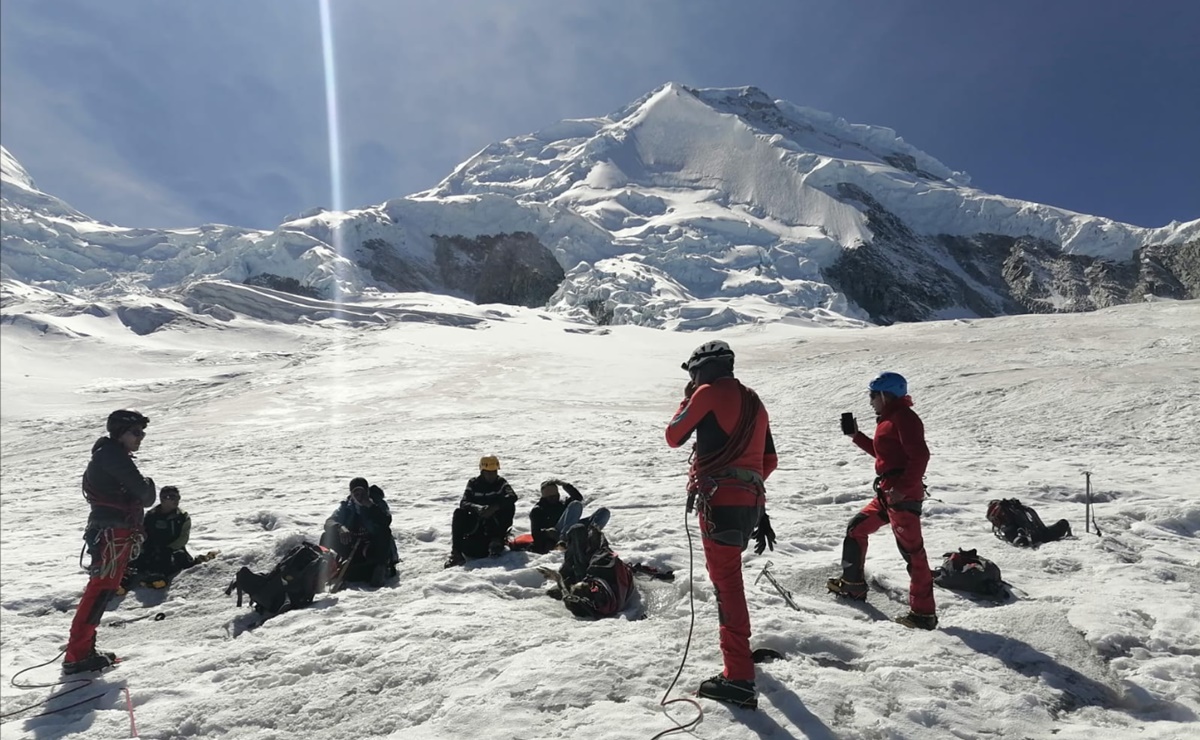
777,158
11,170
690,209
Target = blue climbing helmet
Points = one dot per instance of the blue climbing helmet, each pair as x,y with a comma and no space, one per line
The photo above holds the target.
893,383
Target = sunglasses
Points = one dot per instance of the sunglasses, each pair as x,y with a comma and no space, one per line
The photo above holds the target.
139,433
170,498
875,394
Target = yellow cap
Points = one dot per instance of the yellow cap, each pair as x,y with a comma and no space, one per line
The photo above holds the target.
489,462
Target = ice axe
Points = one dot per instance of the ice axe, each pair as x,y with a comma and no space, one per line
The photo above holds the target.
1089,520
787,595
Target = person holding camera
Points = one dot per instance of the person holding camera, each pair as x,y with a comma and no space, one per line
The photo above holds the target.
360,532
901,457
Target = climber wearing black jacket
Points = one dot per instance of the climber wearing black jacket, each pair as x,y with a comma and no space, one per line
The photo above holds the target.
546,513
484,516
117,493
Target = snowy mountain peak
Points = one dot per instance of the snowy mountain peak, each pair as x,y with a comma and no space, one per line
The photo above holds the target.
688,208
12,171
738,147
821,130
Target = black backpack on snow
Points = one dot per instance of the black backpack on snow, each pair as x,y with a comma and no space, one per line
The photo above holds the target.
291,584
966,571
1013,521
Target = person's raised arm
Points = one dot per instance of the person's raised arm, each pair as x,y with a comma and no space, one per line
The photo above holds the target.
688,415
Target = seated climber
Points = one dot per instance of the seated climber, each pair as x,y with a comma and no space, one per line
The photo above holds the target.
164,551
360,532
546,513
484,516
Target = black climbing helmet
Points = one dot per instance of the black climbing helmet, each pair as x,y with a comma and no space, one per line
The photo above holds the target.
708,352
123,420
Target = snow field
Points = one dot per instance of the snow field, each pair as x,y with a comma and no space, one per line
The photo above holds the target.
261,425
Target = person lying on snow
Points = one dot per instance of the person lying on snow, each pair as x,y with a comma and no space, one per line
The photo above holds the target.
592,582
484,516
164,552
360,533
1013,521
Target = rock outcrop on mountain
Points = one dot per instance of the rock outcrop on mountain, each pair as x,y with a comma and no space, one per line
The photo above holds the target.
904,276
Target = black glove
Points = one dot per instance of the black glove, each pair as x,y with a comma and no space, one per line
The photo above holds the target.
689,389
849,425
763,535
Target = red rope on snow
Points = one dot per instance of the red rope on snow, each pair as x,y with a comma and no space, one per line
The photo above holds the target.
129,705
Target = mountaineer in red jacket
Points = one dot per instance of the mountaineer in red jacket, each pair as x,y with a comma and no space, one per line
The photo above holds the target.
731,458
901,457
117,493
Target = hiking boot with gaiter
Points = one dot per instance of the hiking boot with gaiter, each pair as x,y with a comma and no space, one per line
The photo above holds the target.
852,590
736,693
96,661
919,621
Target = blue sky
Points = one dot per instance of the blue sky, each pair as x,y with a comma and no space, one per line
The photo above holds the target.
177,113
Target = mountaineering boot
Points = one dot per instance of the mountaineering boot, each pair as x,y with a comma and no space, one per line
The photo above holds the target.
496,548
96,661
378,575
852,590
555,592
919,621
456,558
737,693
